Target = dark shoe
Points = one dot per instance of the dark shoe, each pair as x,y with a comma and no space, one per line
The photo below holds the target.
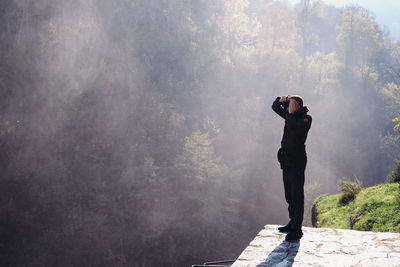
285,229
294,236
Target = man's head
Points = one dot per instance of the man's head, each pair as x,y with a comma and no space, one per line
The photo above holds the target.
295,103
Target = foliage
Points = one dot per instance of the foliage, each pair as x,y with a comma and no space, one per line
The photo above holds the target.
332,214
199,159
139,133
394,176
397,126
358,30
349,190
373,209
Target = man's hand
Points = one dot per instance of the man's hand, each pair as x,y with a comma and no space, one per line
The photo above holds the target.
284,99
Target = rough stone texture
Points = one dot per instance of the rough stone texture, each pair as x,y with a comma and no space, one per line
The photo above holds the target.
322,247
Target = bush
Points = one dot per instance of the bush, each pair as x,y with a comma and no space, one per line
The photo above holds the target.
349,190
394,176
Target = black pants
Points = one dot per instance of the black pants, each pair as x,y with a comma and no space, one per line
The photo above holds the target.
293,181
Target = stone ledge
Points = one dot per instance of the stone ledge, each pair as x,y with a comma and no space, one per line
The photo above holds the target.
321,247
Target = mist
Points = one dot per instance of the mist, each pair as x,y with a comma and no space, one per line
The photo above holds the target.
140,133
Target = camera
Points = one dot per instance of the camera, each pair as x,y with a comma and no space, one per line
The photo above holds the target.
286,103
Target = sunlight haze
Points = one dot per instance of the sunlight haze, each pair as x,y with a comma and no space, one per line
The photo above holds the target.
387,12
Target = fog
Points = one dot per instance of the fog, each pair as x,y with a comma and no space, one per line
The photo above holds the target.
140,133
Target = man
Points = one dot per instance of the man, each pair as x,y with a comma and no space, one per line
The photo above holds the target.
292,157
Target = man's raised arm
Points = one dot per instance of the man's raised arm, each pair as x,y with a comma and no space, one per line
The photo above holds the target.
279,107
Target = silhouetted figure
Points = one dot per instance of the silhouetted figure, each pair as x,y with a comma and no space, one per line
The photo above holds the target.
292,157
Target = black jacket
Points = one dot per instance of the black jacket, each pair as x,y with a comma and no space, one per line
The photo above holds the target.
292,152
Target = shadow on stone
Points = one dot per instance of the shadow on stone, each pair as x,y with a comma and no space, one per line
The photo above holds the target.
283,255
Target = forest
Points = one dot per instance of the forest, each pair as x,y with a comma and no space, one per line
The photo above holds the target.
140,133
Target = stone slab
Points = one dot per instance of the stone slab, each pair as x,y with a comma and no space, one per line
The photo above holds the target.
321,247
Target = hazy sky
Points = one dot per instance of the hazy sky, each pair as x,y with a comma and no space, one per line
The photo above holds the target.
387,12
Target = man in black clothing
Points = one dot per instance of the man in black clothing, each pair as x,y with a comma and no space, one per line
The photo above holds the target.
292,157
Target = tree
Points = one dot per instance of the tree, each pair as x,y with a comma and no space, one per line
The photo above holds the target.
278,29
360,39
308,37
238,32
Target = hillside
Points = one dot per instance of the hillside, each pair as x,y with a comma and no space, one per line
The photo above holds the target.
374,209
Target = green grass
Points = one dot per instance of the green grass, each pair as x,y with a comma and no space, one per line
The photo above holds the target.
374,208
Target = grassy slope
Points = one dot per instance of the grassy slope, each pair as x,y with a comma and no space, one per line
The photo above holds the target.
375,208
